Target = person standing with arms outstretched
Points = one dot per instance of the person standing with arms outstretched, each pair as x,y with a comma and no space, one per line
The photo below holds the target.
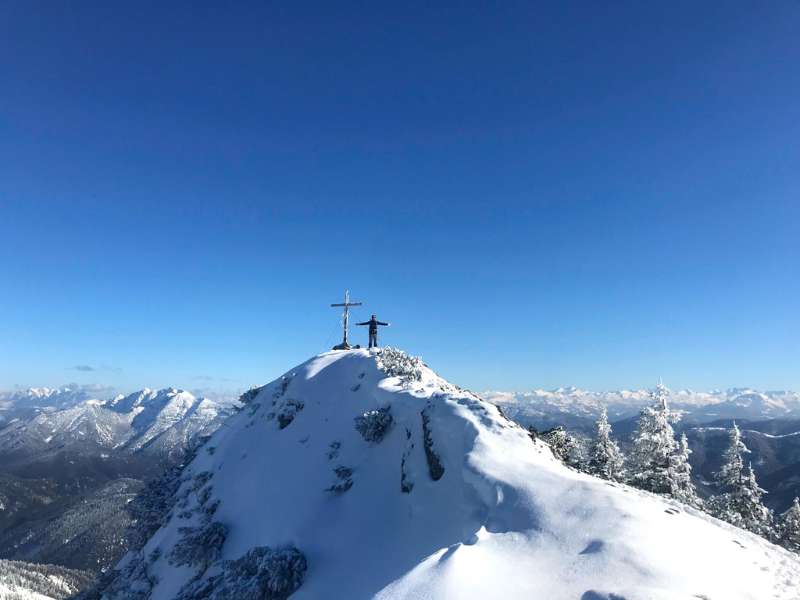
373,330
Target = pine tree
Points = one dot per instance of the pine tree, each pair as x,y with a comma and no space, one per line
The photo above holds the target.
740,503
680,475
654,445
605,458
565,447
755,516
789,527
561,443
732,471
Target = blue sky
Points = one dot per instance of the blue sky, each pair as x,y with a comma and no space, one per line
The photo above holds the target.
535,195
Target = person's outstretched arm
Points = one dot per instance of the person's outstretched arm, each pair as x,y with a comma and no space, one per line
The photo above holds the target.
364,323
382,323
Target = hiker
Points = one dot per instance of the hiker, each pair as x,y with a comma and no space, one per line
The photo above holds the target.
373,330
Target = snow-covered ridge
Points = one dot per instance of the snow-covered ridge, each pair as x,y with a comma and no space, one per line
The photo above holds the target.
364,475
161,421
50,398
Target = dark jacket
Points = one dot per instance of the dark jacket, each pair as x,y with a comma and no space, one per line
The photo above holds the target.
373,325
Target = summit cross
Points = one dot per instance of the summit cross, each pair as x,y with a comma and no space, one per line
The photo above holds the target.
345,345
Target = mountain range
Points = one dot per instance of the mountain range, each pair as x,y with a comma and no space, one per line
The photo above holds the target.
70,463
42,422
578,409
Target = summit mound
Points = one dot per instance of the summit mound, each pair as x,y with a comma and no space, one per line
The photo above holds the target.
363,474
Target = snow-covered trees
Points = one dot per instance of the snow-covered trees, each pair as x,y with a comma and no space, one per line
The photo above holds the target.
250,394
19,580
732,471
561,443
374,424
149,509
199,546
605,459
740,503
660,464
788,527
653,445
565,447
680,475
396,363
262,573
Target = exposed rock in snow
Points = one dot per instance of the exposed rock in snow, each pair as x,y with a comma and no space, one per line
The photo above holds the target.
455,501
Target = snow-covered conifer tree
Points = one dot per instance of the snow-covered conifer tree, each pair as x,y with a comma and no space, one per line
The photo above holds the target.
605,458
563,445
755,516
680,475
740,503
732,471
789,527
654,445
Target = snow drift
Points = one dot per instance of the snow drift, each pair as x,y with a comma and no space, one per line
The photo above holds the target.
363,474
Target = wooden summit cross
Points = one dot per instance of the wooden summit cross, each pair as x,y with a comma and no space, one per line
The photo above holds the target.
346,319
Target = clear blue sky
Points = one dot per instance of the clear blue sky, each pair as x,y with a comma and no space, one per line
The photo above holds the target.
575,193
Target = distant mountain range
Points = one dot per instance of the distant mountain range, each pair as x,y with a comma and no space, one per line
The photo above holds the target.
770,423
42,422
24,403
70,462
579,409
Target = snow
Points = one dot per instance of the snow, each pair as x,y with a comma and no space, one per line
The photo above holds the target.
18,593
161,422
771,436
504,520
35,581
572,404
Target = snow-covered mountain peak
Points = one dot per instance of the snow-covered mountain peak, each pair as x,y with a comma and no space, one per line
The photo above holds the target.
580,408
164,422
126,404
362,474
61,397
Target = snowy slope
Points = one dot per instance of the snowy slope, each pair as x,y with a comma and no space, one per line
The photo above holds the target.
454,502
